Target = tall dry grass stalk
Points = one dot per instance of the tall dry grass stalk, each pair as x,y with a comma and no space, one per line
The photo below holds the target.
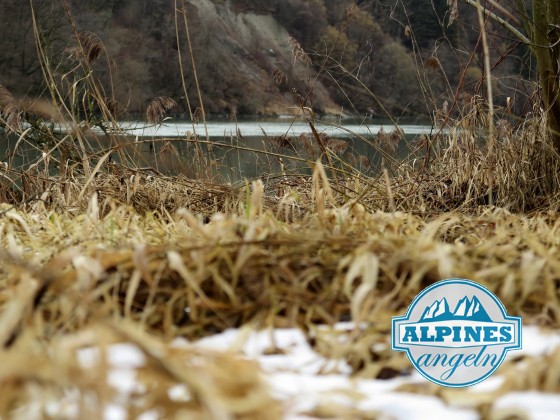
490,97
195,73
488,76
180,59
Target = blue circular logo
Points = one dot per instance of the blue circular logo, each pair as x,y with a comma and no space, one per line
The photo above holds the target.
456,333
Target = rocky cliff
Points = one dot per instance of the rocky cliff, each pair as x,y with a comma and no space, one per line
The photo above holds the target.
250,59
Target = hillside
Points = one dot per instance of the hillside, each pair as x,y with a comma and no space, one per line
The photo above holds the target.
361,57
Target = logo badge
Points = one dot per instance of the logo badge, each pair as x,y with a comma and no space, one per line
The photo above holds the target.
456,333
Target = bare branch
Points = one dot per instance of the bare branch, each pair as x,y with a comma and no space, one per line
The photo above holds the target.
502,22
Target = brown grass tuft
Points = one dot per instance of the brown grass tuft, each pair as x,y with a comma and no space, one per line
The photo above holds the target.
114,107
298,54
282,142
91,46
9,111
158,107
338,147
432,63
279,77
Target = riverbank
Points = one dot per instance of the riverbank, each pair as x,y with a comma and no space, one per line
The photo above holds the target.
146,287
101,252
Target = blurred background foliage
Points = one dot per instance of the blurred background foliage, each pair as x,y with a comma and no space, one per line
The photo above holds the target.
357,49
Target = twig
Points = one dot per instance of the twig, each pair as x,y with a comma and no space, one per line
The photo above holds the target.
495,17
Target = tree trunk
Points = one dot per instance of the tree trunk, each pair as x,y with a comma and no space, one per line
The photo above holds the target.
546,47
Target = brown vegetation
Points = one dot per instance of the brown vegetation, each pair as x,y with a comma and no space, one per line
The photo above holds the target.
98,249
359,51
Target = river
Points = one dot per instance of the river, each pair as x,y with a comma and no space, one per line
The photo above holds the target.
231,151
287,126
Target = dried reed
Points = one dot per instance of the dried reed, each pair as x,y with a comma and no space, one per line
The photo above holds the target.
178,257
158,107
89,47
9,110
298,54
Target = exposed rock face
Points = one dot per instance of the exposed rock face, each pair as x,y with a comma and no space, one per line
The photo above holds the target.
247,41
242,53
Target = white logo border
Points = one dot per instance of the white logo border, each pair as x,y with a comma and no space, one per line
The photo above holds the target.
517,320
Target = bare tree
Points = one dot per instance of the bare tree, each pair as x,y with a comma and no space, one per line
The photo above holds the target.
539,28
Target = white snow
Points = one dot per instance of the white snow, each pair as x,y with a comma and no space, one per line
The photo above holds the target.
536,405
489,385
407,406
123,355
302,380
179,393
114,412
280,349
536,342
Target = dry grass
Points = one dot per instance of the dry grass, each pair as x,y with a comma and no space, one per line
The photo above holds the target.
521,174
73,281
58,384
88,47
232,269
158,107
10,114
97,253
128,256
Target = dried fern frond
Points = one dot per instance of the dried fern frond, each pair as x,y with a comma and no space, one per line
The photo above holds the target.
158,107
91,46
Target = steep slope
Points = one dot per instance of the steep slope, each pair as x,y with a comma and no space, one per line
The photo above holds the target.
242,52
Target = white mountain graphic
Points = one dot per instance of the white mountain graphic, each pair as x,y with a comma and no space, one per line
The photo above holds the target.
436,309
466,309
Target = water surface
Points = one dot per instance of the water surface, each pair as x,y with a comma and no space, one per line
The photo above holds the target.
240,149
276,127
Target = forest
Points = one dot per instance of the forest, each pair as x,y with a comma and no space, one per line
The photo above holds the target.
413,57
